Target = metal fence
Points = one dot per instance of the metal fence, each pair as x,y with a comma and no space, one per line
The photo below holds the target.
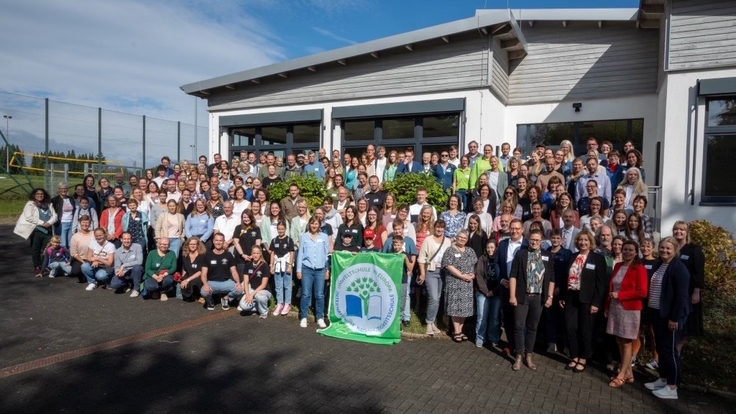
128,142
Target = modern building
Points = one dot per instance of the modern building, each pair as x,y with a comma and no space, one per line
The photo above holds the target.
662,75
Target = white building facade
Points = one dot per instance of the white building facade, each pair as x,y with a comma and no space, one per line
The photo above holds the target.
662,76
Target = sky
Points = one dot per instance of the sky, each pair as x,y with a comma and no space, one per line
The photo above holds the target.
132,56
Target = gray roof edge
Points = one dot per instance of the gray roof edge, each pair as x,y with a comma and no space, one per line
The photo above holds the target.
611,14
427,33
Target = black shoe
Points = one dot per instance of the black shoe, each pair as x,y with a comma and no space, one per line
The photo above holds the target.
405,323
210,304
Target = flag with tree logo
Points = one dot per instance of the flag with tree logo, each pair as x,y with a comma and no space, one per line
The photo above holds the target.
365,297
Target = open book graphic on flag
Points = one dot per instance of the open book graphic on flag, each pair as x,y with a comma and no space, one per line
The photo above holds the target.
356,306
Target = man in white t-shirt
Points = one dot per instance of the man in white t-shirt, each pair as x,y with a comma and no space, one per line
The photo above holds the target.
379,164
100,258
415,209
226,224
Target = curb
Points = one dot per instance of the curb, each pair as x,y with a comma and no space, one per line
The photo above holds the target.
729,395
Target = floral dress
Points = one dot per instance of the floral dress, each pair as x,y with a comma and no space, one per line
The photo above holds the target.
459,293
453,224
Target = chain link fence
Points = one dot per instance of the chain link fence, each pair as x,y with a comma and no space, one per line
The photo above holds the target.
83,140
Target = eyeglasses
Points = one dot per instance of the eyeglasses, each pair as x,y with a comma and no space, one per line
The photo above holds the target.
445,155
535,240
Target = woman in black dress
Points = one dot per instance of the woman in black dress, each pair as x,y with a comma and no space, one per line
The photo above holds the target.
192,260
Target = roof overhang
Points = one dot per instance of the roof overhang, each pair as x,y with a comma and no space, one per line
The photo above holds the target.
496,23
650,12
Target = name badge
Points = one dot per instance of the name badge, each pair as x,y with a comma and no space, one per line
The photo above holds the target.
319,240
137,219
214,262
648,267
194,265
457,255
590,266
250,271
202,220
132,256
158,265
545,258
684,257
355,231
276,245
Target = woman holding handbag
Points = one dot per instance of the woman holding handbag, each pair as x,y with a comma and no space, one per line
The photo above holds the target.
628,288
429,259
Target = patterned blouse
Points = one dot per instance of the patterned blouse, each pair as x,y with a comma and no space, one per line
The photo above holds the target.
534,272
453,224
573,278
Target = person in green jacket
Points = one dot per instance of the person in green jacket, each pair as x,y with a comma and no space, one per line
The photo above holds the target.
159,271
481,165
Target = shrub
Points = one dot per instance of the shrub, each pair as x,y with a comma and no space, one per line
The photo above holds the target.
720,255
311,189
404,186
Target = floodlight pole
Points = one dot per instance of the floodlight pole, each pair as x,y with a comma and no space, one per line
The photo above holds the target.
7,146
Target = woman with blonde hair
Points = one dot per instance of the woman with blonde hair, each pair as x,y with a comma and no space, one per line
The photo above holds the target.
633,185
393,164
567,149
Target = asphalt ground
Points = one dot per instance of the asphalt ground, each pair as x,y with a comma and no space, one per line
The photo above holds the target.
63,349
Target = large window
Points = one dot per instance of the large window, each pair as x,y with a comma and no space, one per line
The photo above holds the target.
551,135
720,150
281,139
421,133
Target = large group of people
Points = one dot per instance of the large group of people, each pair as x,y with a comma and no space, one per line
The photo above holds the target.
549,240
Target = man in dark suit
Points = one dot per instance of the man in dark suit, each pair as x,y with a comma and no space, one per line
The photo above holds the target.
531,283
409,165
507,249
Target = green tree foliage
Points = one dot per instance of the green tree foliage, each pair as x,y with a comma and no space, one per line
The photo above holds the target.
311,189
404,186
17,160
719,250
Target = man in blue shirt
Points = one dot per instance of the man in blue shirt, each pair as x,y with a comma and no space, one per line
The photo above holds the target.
314,167
444,171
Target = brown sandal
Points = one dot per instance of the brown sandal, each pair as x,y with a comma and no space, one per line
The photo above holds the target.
617,383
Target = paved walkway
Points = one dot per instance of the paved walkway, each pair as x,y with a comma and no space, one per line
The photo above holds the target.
178,357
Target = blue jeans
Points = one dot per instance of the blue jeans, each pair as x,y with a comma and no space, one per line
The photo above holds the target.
406,307
313,282
488,322
259,304
133,275
283,287
175,245
64,231
222,287
465,200
95,275
151,285
433,281
54,266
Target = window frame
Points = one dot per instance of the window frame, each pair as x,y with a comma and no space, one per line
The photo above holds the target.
289,147
708,131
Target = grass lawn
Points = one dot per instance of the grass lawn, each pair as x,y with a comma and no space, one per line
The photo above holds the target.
709,361
13,198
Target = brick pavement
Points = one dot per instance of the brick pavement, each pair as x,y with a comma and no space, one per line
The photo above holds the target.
250,365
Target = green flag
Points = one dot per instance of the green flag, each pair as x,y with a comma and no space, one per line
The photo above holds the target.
365,297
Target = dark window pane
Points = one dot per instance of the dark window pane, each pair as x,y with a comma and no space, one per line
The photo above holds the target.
243,137
273,135
307,133
722,112
398,128
547,134
719,160
441,126
358,130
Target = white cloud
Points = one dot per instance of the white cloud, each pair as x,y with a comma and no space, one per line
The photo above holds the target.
331,35
128,55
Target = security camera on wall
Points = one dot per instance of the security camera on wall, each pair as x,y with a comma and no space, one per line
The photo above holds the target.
577,106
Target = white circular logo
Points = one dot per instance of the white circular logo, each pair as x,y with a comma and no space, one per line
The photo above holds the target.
366,299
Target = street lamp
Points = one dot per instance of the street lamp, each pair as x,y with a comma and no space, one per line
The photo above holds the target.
7,142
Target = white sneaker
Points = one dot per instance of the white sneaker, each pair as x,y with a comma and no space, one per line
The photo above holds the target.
653,364
321,323
90,287
666,393
656,385
303,323
135,294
